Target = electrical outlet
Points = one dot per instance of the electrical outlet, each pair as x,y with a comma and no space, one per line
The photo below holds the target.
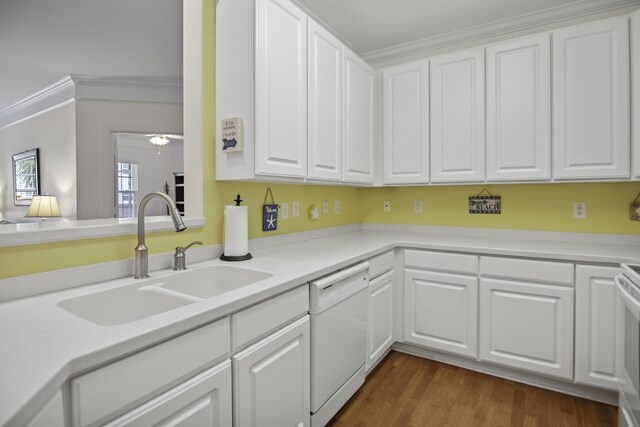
387,206
417,206
295,206
337,207
284,210
579,210
325,207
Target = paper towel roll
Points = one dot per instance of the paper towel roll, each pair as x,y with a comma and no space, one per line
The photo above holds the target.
236,230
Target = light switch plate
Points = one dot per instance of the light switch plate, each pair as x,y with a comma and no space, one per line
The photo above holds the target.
387,206
337,207
295,206
284,210
417,206
325,207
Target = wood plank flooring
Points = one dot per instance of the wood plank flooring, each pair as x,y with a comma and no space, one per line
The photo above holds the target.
406,390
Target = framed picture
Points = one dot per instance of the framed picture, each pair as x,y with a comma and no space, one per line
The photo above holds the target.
26,177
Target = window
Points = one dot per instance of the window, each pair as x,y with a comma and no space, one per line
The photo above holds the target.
127,182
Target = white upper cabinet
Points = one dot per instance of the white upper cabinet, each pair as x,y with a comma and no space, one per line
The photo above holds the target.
281,89
591,100
519,110
457,117
357,123
635,91
406,123
325,104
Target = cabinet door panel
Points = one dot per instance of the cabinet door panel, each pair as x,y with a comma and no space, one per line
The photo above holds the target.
457,117
406,123
380,335
596,307
635,91
281,89
441,311
357,120
519,109
527,326
204,400
325,104
591,100
272,379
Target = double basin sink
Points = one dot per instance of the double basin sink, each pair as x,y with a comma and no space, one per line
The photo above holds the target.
153,296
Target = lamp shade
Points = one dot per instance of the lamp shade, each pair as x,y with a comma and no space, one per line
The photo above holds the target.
43,207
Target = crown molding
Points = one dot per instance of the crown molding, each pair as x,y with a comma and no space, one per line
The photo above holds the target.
83,87
505,26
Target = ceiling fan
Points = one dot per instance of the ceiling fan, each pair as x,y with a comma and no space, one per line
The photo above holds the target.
160,139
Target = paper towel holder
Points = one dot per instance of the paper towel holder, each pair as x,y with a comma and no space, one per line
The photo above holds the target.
246,257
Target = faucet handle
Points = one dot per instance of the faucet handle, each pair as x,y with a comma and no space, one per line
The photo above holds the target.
179,260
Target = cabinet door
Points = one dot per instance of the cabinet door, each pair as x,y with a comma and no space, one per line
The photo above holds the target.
281,89
380,325
272,380
205,400
596,326
325,105
635,91
591,100
406,123
440,311
519,110
527,326
357,120
457,117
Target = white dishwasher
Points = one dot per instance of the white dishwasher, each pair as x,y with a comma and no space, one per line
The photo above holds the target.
338,340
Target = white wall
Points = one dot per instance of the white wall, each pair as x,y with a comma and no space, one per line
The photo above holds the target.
97,122
54,133
156,166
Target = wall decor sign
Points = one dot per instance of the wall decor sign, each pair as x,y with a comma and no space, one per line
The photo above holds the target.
489,204
232,135
269,213
634,209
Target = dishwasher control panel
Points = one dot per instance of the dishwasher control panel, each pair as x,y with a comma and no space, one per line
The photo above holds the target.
330,290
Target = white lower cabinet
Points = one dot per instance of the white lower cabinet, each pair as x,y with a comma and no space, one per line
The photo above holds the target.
528,326
381,313
52,414
205,400
596,307
272,379
441,311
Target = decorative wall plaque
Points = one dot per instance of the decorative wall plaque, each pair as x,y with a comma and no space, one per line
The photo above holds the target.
485,204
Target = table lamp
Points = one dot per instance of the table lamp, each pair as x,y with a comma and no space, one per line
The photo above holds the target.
43,207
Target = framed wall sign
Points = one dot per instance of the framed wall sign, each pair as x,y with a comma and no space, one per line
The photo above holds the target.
489,204
26,177
269,213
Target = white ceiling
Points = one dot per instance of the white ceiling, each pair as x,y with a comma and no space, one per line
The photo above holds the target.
42,41
370,25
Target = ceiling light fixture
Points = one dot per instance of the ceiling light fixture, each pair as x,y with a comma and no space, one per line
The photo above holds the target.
159,140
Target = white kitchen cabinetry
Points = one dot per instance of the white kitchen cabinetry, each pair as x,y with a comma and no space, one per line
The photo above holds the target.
272,379
457,117
357,136
635,91
406,123
109,392
596,326
325,105
524,324
202,401
591,100
519,110
281,89
52,414
440,309
381,313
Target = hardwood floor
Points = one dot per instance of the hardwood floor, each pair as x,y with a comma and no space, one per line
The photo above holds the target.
406,390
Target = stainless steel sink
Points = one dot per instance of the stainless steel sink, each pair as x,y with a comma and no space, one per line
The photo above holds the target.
210,281
124,305
141,300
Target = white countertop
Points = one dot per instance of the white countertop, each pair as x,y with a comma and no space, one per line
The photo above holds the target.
42,345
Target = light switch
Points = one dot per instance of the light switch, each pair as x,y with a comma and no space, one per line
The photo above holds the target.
325,207
387,206
417,206
337,207
284,210
295,206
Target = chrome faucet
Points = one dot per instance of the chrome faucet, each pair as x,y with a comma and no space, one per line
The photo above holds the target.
142,253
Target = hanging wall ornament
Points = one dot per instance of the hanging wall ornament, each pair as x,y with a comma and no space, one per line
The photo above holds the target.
269,213
634,209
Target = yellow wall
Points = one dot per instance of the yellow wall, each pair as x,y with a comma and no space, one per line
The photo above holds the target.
547,207
530,207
